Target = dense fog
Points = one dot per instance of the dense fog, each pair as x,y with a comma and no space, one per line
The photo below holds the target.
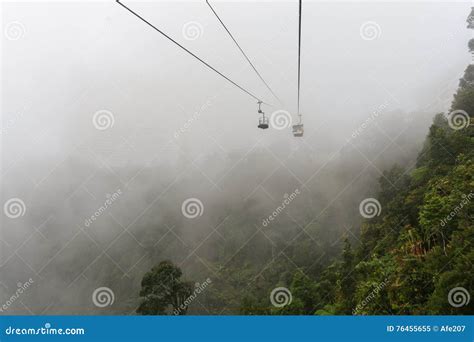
170,130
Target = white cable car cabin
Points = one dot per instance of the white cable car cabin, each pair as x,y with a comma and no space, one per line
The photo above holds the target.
298,130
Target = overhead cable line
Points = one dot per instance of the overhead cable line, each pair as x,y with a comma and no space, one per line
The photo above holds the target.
189,52
298,130
243,53
299,59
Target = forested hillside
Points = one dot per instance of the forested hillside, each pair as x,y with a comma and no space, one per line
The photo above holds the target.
412,253
416,255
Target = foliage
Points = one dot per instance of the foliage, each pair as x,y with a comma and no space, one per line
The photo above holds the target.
163,291
420,249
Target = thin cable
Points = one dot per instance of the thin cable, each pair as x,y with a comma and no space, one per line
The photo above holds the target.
299,59
243,53
189,52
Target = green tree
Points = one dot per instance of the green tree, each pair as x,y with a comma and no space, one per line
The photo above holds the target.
346,284
163,291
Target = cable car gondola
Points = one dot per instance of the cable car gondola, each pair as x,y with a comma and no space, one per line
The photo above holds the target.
263,121
298,130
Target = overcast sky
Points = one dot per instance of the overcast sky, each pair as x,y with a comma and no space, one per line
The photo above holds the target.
74,59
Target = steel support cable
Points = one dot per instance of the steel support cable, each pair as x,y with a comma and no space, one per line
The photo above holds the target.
189,52
299,58
243,53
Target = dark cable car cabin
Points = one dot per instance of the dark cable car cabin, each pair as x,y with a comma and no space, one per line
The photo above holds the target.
298,130
263,121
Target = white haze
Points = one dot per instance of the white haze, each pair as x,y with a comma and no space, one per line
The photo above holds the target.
182,131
